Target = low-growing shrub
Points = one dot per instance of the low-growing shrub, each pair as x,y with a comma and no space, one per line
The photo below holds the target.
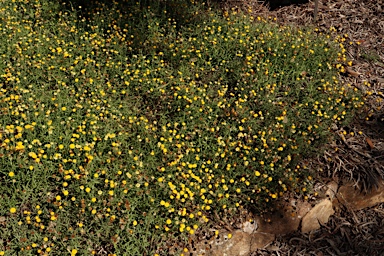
125,125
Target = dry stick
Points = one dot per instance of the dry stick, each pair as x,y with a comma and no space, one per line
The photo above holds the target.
316,9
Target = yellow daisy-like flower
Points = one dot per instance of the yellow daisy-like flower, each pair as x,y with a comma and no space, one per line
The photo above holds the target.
32,154
19,145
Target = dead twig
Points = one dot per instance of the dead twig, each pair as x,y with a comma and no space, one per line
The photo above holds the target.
316,10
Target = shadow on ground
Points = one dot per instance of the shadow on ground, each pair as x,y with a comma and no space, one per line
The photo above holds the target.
274,4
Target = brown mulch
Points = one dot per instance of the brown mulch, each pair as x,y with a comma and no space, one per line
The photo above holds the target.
346,233
358,151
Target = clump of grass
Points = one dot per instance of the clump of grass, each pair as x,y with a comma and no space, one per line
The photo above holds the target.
124,125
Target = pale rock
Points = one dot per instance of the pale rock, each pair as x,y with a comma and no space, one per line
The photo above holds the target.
320,213
261,233
331,190
302,208
356,200
241,244
249,227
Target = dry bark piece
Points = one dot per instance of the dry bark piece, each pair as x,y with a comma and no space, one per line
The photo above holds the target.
369,141
353,73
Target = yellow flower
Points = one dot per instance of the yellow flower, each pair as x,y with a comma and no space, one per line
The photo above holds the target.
19,145
32,154
12,210
11,174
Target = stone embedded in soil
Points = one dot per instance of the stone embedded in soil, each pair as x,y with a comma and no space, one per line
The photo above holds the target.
318,214
287,218
248,227
332,190
279,223
302,208
356,200
241,244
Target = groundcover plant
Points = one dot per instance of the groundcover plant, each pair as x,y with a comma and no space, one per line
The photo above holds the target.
127,124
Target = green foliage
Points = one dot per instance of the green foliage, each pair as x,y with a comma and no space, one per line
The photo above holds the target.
125,125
